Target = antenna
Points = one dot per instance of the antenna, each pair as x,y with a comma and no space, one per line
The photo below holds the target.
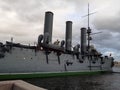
88,15
95,33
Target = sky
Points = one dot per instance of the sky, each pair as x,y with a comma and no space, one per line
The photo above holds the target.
24,21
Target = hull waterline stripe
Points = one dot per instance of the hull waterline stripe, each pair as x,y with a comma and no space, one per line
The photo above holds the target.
46,75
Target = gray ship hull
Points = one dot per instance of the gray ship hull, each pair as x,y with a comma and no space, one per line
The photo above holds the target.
20,60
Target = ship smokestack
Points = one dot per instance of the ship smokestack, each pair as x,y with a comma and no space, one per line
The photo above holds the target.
68,37
83,40
48,27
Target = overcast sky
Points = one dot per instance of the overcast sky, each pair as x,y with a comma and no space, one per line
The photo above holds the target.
24,21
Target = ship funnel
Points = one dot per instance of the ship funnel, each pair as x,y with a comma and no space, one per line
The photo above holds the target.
83,40
48,27
68,37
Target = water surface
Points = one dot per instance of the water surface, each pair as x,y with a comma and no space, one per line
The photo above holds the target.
109,81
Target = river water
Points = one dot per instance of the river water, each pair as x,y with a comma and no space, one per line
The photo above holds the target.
109,81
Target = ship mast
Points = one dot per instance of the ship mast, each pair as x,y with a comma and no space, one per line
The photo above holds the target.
89,30
11,39
89,37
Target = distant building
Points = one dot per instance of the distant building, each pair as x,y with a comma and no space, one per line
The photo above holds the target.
116,63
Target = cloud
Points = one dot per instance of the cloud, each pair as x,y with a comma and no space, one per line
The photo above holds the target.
108,23
25,19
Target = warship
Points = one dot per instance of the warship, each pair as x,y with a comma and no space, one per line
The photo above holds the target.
52,59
